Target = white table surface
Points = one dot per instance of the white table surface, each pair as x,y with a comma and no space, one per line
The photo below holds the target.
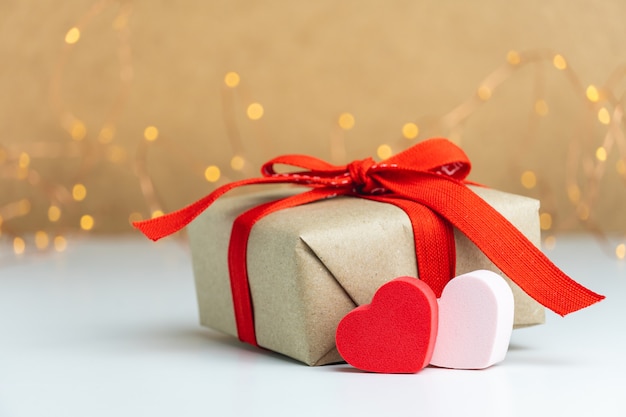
109,328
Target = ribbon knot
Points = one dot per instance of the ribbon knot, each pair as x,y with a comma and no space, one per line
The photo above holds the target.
362,182
427,181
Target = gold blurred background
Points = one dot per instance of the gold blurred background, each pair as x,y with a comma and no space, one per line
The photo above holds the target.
112,111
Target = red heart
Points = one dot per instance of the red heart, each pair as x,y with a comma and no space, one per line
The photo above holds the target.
395,333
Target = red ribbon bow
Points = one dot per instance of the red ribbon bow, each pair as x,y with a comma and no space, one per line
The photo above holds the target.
427,181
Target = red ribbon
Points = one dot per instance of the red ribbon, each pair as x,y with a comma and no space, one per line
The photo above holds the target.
427,181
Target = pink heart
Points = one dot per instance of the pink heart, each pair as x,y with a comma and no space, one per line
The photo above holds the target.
395,333
475,321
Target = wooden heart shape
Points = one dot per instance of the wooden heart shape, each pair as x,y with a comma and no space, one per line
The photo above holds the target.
395,333
475,321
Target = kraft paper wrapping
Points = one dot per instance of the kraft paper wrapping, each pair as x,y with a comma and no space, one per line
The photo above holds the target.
310,265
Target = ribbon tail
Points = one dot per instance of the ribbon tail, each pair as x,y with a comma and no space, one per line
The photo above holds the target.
499,240
162,226
237,256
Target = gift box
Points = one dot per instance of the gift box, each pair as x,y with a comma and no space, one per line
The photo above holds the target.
309,265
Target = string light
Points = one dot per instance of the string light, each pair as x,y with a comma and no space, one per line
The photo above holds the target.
573,193
106,134
41,240
79,192
78,130
135,216
24,160
212,173
151,133
23,207
484,93
21,167
231,79
86,222
541,107
549,243
582,209
237,163
513,58
60,243
528,179
603,116
255,111
384,151
72,36
346,121
545,221
19,245
559,62
410,130
592,93
54,213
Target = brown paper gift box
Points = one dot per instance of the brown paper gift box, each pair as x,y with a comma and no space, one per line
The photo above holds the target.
308,266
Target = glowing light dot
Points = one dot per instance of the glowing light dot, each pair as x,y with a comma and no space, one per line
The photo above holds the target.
550,242
255,111
23,207
24,160
19,246
545,220
156,213
620,251
60,244
86,222
41,240
513,58
78,130
231,79
116,154
620,166
484,93
134,217
603,116
106,134
541,107
593,94
573,193
346,121
384,151
72,36
120,22
410,130
151,133
237,163
79,192
212,173
601,154
528,179
583,211
559,62
54,213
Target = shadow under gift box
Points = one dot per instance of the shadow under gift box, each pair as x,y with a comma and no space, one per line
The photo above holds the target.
308,266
